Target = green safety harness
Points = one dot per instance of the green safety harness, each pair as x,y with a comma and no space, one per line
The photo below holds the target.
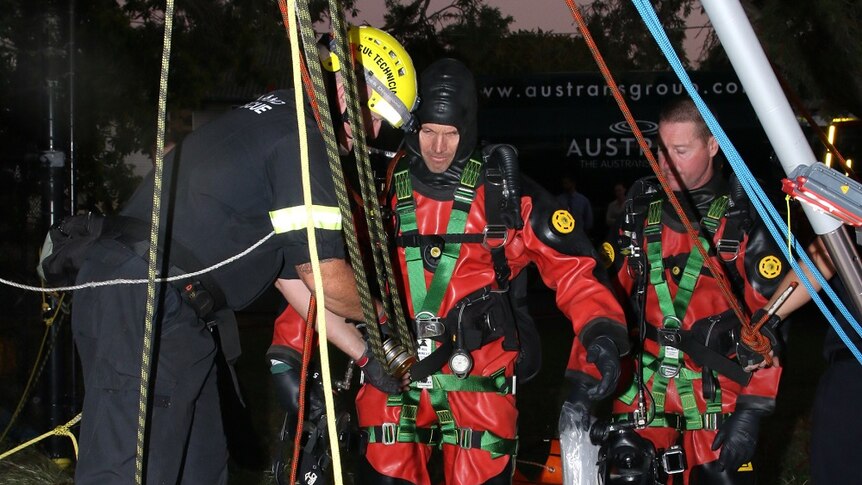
668,365
427,301
446,431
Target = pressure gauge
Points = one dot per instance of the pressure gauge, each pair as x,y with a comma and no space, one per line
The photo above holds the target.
460,362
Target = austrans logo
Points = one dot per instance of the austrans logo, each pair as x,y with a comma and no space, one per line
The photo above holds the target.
617,149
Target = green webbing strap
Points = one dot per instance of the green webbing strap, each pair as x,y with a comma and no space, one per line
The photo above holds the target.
677,305
674,308
497,382
712,219
465,438
711,421
683,380
450,432
445,419
489,442
689,404
389,434
407,421
427,300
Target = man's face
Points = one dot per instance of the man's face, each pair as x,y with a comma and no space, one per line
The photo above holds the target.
684,157
438,144
372,121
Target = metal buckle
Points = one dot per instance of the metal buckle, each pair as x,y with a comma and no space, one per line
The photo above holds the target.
465,438
669,337
668,371
674,322
711,421
673,460
728,246
495,232
639,418
390,434
428,325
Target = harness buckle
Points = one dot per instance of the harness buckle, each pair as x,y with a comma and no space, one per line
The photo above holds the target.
390,433
673,460
728,249
639,417
495,232
668,371
671,321
712,421
428,325
465,438
669,337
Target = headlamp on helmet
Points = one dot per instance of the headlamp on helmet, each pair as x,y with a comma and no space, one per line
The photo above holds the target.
387,70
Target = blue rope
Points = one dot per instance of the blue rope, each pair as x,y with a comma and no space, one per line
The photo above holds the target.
771,218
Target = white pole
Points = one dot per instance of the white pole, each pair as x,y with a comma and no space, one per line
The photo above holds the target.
766,96
781,127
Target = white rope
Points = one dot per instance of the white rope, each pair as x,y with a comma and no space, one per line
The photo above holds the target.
122,281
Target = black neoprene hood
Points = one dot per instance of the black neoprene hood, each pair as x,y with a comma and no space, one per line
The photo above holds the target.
447,96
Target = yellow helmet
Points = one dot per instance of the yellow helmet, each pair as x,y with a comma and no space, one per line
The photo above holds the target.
387,69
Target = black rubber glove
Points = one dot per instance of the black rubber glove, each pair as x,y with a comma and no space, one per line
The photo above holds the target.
376,374
737,438
604,354
748,357
576,409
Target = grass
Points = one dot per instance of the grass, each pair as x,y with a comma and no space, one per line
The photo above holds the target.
782,453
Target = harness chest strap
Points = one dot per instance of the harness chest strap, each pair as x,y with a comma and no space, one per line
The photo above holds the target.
427,300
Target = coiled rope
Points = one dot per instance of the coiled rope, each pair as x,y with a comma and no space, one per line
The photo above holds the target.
62,430
379,241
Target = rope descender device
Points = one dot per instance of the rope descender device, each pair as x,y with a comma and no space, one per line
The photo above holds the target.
827,190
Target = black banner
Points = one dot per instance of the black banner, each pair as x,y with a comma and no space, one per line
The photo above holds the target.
569,123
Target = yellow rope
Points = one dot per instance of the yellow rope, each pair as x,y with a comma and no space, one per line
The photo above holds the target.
789,234
62,430
312,248
147,347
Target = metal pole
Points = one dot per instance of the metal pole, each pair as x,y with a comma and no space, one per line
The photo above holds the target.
72,194
53,168
74,398
781,127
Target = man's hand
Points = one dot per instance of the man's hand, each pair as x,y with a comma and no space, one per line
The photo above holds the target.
737,438
750,359
604,354
377,375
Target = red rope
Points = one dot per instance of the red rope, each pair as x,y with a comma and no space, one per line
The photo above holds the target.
303,377
751,338
306,78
